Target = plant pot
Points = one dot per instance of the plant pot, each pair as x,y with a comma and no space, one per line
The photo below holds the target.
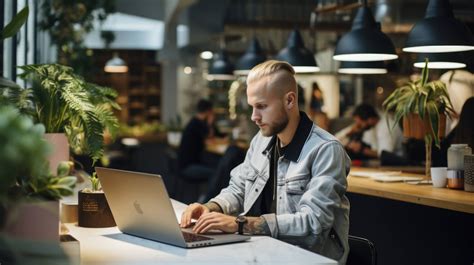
94,211
60,152
414,127
33,221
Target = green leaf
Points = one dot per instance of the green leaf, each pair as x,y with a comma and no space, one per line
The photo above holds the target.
424,73
18,20
434,121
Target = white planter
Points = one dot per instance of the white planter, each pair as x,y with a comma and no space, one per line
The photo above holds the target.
174,138
33,221
60,152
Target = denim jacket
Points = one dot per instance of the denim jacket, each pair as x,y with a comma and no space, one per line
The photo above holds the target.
312,209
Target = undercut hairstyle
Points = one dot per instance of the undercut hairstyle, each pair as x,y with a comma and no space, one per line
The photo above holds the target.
365,112
203,105
281,74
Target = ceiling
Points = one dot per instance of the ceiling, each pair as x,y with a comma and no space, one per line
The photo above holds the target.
321,22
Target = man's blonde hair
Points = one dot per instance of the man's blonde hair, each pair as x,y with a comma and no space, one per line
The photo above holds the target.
268,68
281,75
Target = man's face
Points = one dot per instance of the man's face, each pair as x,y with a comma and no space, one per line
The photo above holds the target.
361,123
372,122
365,124
268,109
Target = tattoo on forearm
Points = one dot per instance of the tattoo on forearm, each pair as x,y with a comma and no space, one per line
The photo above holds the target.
213,207
256,226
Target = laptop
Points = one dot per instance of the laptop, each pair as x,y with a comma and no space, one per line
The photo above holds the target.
141,207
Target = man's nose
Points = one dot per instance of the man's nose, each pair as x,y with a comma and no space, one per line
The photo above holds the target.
255,115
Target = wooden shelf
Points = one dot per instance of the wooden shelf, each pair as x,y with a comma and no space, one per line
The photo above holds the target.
139,89
455,200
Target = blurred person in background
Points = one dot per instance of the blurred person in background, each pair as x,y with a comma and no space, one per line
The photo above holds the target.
369,135
199,131
463,133
316,108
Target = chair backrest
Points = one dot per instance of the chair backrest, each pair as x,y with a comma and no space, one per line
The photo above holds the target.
362,251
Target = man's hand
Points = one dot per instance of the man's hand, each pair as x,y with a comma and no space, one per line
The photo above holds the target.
217,221
193,211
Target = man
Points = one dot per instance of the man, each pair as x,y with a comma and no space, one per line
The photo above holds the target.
193,143
370,135
292,183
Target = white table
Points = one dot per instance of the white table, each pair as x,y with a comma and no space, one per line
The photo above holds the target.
110,246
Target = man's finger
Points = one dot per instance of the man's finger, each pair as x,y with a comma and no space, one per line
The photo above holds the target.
203,221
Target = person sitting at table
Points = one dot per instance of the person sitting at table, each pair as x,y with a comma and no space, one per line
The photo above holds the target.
316,112
193,143
369,135
292,183
463,133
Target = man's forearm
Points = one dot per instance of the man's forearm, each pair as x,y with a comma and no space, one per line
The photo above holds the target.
256,226
213,207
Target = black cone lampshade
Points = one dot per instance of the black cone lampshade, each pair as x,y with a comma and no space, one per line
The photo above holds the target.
374,67
297,55
221,68
439,31
365,41
253,56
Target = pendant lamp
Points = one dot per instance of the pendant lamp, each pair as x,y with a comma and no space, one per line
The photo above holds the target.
439,31
253,56
365,41
374,67
116,65
297,55
221,68
449,60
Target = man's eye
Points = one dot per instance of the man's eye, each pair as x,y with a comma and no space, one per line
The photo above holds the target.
261,106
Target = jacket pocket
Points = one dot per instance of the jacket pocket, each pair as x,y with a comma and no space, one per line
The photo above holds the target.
297,184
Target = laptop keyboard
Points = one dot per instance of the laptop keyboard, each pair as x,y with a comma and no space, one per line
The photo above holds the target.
189,237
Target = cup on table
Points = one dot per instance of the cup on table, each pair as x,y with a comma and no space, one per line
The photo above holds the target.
439,176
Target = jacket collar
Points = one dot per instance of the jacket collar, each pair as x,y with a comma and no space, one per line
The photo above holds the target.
293,149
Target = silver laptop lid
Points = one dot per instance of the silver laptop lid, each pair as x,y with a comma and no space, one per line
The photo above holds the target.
140,205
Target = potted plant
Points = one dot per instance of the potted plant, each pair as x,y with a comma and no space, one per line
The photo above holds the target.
423,106
94,211
174,131
28,191
65,103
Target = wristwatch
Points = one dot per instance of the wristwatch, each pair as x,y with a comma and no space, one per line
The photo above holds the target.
241,220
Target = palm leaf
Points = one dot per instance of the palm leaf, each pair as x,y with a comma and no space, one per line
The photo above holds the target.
65,103
14,26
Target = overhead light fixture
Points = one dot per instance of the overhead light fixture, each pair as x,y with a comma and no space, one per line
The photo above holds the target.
374,67
221,68
365,41
253,56
188,70
116,65
206,55
450,60
439,31
297,55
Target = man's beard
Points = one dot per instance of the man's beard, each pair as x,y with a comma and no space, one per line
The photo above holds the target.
277,126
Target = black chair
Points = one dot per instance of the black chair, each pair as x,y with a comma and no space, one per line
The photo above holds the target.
362,252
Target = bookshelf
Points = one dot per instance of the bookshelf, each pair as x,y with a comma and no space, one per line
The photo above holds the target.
139,89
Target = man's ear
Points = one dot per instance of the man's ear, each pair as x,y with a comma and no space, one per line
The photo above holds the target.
290,100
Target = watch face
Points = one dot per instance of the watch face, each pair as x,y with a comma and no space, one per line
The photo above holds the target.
241,219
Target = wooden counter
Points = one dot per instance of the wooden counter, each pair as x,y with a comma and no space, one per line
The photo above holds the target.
455,200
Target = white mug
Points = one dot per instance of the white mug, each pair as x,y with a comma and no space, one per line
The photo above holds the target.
439,176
